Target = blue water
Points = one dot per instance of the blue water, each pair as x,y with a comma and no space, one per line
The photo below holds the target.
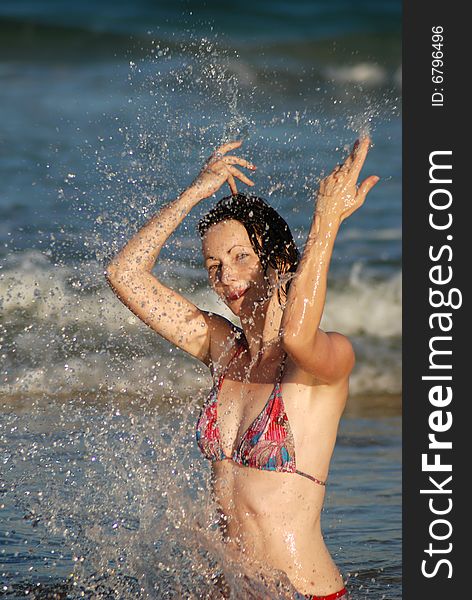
108,111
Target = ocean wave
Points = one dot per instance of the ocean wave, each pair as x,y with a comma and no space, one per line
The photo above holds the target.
156,377
292,62
361,73
364,307
275,23
65,331
75,294
370,235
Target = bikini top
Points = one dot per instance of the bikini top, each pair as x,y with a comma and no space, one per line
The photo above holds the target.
267,443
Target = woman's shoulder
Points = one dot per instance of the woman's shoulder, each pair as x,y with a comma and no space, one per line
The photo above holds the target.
329,367
226,339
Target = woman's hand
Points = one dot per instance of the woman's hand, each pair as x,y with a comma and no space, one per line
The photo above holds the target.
220,168
338,195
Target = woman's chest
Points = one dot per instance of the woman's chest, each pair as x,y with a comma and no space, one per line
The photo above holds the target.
262,408
240,407
262,417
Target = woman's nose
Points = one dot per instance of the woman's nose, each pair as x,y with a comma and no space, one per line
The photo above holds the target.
227,274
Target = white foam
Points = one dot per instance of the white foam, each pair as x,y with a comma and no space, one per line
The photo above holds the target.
58,293
95,373
372,379
387,234
365,307
362,73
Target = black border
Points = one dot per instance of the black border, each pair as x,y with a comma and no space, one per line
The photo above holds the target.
427,128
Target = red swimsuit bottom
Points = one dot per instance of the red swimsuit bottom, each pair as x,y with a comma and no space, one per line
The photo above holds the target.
341,595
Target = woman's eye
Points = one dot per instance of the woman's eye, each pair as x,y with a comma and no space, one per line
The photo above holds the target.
242,256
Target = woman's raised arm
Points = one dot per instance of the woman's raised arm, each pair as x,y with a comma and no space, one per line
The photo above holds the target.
329,357
130,272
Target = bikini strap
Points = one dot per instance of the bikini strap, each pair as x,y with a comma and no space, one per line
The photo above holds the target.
315,479
221,377
282,370
284,364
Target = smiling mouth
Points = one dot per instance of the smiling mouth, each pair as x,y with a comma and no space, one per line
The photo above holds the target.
236,295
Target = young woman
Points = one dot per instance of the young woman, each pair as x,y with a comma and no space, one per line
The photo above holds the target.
280,383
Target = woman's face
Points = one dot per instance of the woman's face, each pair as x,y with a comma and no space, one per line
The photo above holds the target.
234,269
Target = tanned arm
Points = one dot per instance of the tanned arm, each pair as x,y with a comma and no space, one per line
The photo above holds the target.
129,274
329,357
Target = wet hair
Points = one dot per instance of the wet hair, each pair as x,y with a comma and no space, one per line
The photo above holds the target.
270,236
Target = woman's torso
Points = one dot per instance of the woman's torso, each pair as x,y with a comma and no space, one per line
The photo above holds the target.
274,517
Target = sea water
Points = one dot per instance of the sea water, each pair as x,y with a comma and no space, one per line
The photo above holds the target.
108,111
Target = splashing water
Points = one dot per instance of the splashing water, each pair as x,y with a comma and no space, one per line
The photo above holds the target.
97,423
121,488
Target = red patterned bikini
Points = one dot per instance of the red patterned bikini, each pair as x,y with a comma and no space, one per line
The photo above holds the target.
268,442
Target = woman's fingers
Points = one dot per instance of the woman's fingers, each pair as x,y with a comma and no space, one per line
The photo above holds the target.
350,160
232,184
355,161
359,154
237,173
366,186
217,160
224,148
235,160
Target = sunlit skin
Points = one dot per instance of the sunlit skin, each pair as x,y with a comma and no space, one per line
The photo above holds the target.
271,518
